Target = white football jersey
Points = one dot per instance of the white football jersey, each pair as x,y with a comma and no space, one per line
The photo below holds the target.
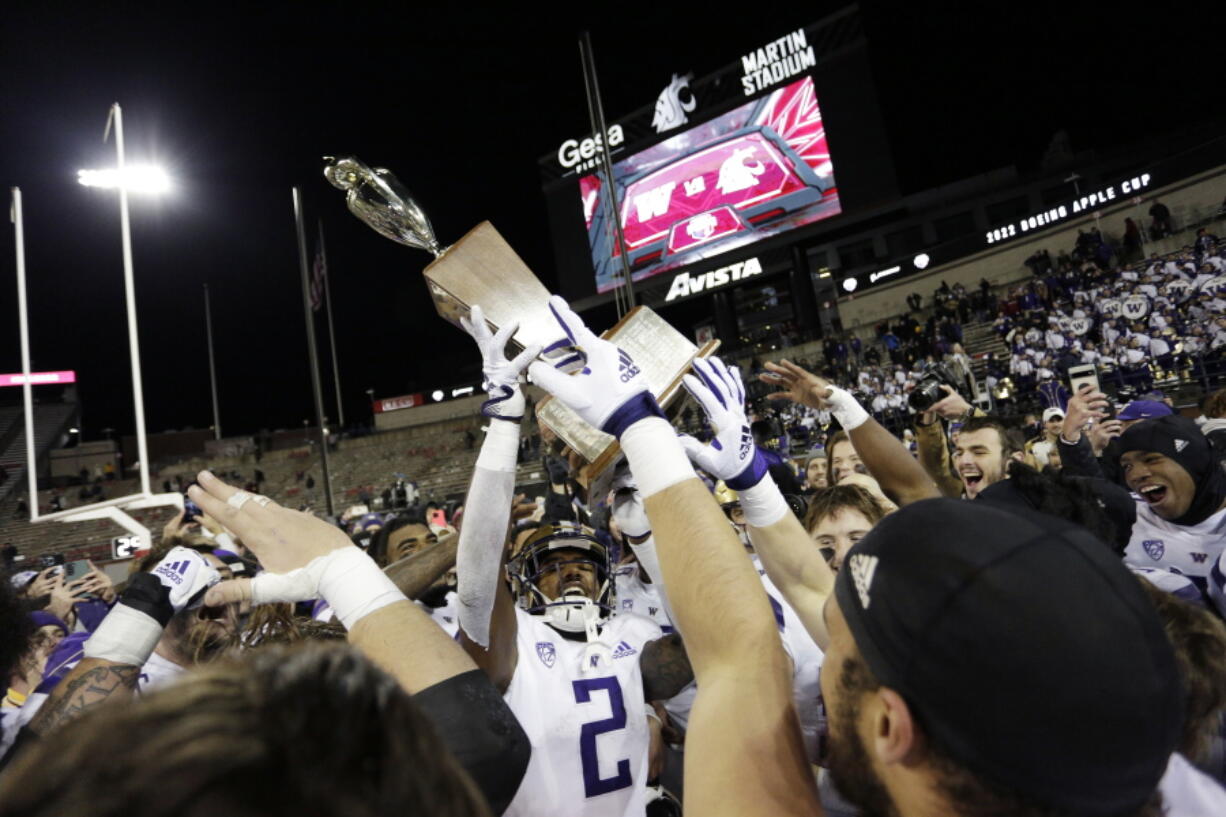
1189,792
447,616
639,597
586,718
157,672
1189,549
643,598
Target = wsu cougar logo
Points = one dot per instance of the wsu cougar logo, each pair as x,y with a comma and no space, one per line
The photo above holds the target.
738,173
671,110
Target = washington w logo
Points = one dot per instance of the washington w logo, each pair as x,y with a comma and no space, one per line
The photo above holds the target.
627,367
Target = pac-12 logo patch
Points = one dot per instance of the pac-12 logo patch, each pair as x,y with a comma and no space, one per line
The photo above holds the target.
547,653
1154,547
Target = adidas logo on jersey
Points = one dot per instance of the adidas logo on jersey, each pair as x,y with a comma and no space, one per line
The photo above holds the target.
623,650
626,366
174,571
863,567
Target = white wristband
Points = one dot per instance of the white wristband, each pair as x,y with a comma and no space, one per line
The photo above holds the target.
763,504
354,586
656,457
125,636
501,446
845,408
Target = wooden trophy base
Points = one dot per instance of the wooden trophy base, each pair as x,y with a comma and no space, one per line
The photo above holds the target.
481,268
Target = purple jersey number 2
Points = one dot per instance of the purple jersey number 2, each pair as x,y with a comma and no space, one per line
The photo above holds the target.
593,783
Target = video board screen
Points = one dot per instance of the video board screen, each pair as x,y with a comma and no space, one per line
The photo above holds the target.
756,171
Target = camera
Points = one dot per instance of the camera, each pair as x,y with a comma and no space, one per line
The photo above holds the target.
928,390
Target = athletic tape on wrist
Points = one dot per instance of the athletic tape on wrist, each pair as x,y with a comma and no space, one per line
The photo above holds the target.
125,636
656,457
500,447
354,586
763,504
846,409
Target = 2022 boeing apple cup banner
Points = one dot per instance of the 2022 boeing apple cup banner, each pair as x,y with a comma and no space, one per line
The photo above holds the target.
754,172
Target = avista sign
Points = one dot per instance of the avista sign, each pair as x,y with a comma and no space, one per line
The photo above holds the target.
686,284
581,156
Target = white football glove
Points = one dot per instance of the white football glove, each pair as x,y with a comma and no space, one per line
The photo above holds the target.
610,391
506,398
731,455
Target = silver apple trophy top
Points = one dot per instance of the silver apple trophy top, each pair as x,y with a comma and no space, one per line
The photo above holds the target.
378,198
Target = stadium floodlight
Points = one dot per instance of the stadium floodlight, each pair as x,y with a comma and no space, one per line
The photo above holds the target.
921,260
850,284
133,179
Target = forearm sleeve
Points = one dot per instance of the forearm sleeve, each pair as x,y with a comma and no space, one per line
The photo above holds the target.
484,532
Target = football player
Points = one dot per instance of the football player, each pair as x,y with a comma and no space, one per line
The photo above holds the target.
578,680
744,752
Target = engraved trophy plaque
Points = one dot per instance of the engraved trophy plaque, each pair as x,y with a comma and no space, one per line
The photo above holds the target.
481,268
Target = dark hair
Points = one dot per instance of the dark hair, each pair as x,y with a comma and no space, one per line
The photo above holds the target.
1009,442
834,439
1071,498
1199,638
965,791
378,544
829,501
16,627
1215,405
259,737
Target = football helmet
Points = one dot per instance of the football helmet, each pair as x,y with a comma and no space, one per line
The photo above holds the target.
731,503
572,611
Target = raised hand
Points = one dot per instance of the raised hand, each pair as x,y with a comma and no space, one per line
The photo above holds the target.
952,406
283,539
610,391
506,398
796,384
1086,406
732,455
64,595
43,583
306,558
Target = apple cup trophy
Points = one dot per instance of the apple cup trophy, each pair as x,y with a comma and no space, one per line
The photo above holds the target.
481,268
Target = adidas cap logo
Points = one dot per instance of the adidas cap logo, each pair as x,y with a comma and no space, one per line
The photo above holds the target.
1180,445
863,567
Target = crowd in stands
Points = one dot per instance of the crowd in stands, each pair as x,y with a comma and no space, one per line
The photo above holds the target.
1137,320
843,588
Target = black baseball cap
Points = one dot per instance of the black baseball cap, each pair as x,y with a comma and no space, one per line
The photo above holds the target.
1025,649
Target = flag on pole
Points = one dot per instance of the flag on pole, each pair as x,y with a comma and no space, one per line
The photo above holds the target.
319,269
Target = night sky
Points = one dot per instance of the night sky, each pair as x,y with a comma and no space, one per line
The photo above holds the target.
240,105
